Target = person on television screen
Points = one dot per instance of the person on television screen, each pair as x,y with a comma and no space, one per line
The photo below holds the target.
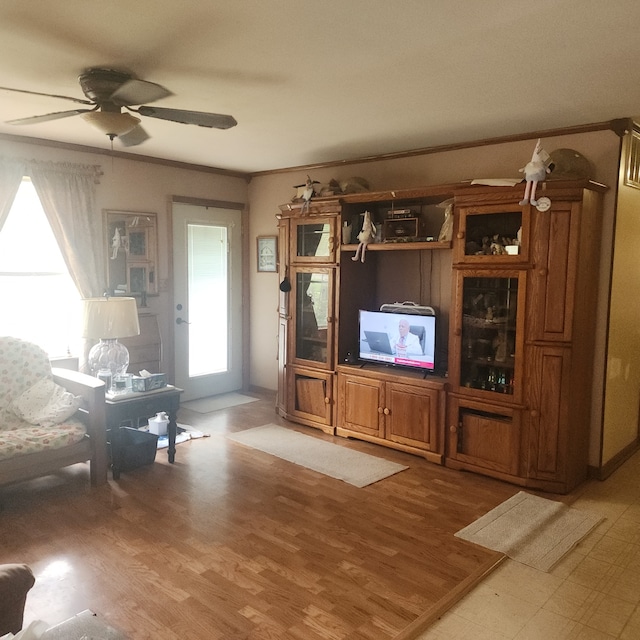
405,343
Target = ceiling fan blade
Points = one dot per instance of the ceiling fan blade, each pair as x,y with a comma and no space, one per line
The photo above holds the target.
138,92
49,116
202,119
47,95
136,136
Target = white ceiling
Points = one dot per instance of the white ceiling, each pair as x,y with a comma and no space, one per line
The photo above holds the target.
312,82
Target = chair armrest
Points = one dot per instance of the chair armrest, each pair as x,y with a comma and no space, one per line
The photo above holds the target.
15,582
93,412
89,388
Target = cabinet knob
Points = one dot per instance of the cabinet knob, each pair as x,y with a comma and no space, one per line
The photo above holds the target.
386,411
542,272
534,413
327,400
460,235
453,428
380,410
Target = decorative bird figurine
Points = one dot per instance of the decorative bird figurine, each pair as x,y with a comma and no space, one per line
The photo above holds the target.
307,194
535,171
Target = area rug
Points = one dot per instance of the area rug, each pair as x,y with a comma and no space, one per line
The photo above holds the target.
336,461
215,403
531,530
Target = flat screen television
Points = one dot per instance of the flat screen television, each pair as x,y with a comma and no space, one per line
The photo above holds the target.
397,338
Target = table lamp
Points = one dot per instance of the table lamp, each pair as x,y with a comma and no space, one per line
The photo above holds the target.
108,319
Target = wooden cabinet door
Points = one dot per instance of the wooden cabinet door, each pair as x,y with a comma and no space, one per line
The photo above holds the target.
310,395
487,334
483,436
313,240
547,384
283,265
361,404
479,226
553,280
281,401
411,416
312,324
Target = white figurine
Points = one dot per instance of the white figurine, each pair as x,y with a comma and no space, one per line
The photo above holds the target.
535,171
365,237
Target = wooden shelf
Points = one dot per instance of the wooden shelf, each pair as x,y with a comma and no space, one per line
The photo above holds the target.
398,246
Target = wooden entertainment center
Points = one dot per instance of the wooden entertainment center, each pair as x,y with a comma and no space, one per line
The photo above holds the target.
510,397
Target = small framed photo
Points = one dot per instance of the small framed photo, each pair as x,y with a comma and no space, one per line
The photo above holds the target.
267,253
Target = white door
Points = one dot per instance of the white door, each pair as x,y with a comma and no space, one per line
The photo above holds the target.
207,272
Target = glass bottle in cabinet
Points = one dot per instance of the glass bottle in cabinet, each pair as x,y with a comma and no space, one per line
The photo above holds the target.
313,327
490,334
313,240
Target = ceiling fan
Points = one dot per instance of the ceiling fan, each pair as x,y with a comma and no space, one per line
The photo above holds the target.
108,92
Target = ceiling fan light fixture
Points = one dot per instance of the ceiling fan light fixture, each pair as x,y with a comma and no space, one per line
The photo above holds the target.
111,123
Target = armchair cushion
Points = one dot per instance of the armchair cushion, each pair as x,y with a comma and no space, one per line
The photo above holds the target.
27,438
45,403
31,403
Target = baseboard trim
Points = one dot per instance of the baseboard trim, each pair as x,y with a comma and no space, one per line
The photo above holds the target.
424,621
603,472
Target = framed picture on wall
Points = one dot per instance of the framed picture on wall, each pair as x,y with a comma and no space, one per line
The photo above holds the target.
267,253
132,245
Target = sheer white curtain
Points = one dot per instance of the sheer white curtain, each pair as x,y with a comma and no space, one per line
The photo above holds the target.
11,173
67,193
68,196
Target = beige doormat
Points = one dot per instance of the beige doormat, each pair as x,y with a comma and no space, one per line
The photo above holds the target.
334,460
215,403
531,530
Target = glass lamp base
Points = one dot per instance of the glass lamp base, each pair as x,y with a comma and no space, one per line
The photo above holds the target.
108,355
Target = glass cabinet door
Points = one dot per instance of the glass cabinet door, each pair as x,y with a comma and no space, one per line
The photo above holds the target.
490,339
313,328
313,240
496,234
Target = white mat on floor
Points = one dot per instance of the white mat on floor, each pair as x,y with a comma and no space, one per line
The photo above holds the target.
189,433
215,403
354,467
531,530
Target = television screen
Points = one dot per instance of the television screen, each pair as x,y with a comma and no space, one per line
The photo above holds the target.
398,339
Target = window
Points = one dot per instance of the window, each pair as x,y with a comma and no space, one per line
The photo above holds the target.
40,302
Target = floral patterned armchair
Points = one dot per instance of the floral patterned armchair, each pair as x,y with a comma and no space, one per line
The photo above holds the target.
49,418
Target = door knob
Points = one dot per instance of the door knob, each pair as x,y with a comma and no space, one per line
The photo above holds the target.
181,321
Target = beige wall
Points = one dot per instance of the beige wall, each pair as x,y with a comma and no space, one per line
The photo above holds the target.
622,401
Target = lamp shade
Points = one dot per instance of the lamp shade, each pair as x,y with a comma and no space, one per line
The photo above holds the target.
108,318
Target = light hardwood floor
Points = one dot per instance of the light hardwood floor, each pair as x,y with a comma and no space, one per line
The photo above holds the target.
231,543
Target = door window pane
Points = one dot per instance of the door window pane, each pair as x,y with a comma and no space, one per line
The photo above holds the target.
208,301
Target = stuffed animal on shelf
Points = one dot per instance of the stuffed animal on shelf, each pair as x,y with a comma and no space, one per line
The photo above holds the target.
365,237
307,193
535,171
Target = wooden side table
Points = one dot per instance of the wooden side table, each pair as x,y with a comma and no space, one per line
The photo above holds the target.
130,407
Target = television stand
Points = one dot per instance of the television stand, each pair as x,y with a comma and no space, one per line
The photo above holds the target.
391,406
